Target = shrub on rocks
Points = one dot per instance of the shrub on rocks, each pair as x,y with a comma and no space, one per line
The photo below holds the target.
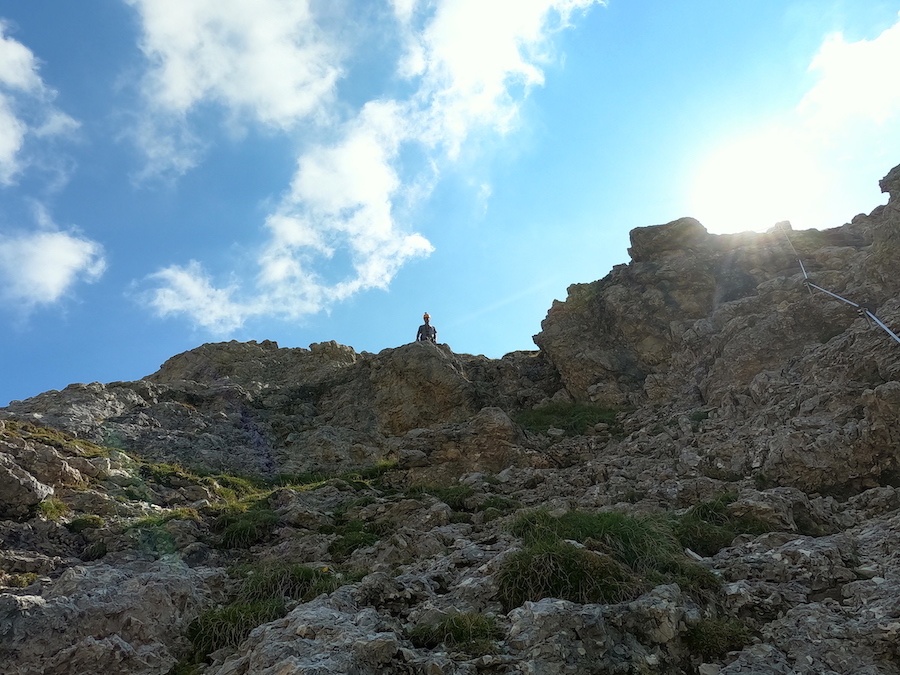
262,596
469,632
17,579
573,418
241,524
713,638
53,508
353,535
707,527
595,558
454,496
291,581
94,551
228,626
559,569
82,523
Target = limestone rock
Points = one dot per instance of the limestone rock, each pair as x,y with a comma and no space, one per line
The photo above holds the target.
327,635
124,619
556,636
489,442
418,385
19,490
260,409
656,241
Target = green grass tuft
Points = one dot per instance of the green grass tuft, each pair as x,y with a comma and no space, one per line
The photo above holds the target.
170,475
243,525
559,569
263,592
469,632
53,508
54,438
21,579
707,528
187,667
236,488
712,639
640,543
454,496
228,626
283,581
500,503
354,534
573,418
621,557
361,478
94,551
159,519
86,522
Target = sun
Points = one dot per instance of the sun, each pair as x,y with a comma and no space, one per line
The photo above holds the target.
753,181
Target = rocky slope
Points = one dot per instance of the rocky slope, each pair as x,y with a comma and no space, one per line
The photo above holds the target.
697,472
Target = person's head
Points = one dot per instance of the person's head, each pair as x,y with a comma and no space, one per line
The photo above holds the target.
427,317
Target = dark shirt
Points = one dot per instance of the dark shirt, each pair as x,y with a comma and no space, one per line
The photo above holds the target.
427,333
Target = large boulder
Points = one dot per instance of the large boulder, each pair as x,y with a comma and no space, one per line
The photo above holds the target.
100,618
20,492
419,385
328,636
488,443
735,302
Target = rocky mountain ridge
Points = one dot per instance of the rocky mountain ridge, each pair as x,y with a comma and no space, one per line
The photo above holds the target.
421,511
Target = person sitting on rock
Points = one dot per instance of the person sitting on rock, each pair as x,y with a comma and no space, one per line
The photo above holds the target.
427,332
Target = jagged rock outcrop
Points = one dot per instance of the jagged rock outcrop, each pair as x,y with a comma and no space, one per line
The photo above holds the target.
755,430
793,385
256,408
330,635
87,622
614,340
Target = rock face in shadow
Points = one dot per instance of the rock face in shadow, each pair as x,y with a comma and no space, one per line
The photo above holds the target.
793,383
258,409
751,418
741,294
88,624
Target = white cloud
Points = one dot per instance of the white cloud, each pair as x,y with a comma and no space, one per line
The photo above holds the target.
267,58
357,171
40,268
404,10
189,290
854,81
336,230
18,67
819,163
12,138
475,57
266,62
485,190
25,106
169,146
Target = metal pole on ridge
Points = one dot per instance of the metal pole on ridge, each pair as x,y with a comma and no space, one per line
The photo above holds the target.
810,285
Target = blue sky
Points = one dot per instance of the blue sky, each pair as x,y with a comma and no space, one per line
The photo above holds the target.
174,172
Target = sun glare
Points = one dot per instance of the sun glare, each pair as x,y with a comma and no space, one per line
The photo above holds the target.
755,181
